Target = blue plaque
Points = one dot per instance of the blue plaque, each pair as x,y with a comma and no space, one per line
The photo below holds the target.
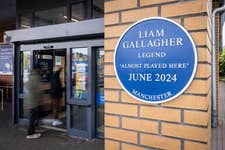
155,60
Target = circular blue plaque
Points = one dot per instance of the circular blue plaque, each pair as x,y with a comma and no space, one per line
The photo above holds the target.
155,60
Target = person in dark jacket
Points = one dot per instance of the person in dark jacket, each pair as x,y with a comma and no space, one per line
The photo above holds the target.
56,91
32,100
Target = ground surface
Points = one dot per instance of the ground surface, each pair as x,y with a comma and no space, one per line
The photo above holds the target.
13,138
218,134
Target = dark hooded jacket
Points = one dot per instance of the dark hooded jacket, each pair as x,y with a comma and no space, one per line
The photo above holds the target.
56,87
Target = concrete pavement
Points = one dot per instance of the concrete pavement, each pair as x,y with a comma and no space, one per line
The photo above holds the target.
14,138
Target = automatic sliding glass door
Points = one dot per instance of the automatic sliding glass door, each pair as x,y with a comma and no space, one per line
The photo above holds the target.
84,98
80,102
86,103
99,92
25,70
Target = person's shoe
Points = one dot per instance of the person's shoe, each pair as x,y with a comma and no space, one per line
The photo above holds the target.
57,123
34,136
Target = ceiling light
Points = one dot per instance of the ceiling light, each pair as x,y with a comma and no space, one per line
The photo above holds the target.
75,20
25,26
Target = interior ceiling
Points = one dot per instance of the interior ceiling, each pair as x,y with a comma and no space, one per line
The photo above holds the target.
7,15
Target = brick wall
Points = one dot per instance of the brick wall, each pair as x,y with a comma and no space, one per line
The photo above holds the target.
181,124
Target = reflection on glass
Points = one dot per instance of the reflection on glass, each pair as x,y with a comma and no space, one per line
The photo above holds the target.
45,60
50,16
78,12
26,70
25,21
79,73
79,118
26,66
46,63
98,9
100,91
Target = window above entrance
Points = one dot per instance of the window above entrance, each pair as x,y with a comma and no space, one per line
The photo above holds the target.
51,13
50,16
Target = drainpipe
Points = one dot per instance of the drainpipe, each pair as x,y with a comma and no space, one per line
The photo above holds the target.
214,96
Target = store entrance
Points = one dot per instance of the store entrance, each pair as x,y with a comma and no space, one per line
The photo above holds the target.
53,107
52,110
82,79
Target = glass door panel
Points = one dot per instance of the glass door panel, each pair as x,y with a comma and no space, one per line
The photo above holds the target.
79,118
99,96
79,74
44,59
25,70
80,101
26,67
86,105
